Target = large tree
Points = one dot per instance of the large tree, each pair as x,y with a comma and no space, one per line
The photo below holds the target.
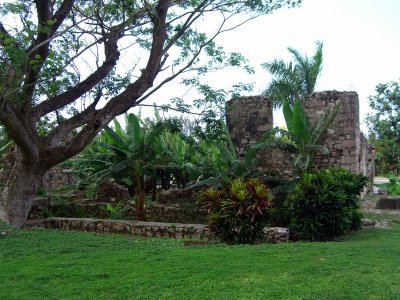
60,56
384,126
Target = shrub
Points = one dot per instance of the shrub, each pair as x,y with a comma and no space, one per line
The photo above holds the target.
237,212
278,214
324,204
117,212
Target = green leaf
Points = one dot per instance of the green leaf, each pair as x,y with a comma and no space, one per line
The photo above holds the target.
300,123
288,115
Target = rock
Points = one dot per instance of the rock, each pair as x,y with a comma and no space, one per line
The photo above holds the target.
110,191
368,222
277,234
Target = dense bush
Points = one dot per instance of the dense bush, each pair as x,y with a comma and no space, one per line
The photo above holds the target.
237,212
278,213
324,204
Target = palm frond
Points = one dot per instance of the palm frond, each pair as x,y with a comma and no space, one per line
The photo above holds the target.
317,148
300,61
275,143
279,68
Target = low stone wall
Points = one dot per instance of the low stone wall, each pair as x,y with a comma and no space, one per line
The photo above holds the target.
390,202
162,213
197,232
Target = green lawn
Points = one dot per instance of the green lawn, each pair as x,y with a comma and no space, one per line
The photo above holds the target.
52,264
389,216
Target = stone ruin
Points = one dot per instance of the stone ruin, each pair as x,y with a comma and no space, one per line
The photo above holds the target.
249,117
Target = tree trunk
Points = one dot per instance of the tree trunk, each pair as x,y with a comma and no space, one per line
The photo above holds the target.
19,191
140,211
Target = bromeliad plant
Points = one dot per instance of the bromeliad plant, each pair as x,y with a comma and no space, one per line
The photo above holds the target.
237,212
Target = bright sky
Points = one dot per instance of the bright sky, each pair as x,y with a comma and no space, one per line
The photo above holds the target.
361,45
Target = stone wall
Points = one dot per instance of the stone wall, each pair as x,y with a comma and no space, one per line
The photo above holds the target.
196,232
343,136
53,179
348,147
56,178
247,118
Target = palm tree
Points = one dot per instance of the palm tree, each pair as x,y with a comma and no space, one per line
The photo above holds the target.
294,80
299,137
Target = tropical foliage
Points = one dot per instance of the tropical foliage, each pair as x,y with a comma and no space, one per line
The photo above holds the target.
294,80
152,154
299,138
384,127
43,42
324,204
237,212
393,186
128,156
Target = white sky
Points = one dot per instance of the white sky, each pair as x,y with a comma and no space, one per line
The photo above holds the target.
361,46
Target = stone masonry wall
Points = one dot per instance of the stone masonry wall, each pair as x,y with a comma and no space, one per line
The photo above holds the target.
343,136
195,232
348,148
247,118
53,179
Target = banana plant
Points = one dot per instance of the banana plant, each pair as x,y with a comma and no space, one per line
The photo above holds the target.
221,163
179,159
128,156
299,138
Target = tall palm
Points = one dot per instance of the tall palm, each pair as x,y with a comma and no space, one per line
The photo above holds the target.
294,80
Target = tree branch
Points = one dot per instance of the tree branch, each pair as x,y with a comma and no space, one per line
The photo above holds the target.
18,131
61,100
94,120
40,54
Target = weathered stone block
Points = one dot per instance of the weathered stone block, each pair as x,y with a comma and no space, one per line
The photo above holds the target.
388,203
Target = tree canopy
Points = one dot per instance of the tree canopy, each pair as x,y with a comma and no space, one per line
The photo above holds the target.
81,63
384,126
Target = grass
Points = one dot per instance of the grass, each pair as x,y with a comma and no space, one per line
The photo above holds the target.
53,264
382,215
